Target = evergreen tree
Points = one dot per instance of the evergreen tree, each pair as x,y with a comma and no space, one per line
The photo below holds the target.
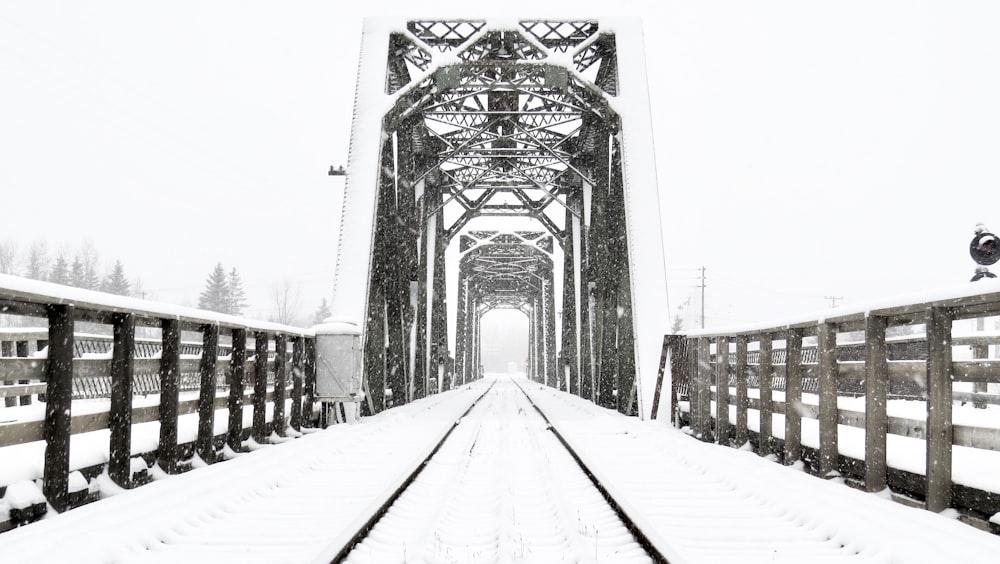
76,274
237,297
216,295
60,271
322,312
116,282
38,261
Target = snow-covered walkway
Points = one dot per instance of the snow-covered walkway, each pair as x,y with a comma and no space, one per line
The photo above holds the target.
288,502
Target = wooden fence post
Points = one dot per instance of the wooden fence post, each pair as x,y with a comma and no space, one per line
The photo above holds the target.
764,368
310,382
280,354
876,415
237,377
120,415
7,349
722,429
742,397
259,429
58,406
204,445
793,396
703,383
939,397
829,418
298,352
170,361
21,349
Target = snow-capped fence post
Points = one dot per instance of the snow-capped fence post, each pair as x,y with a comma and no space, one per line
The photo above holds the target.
204,444
722,429
939,409
828,415
764,370
120,415
742,397
170,360
258,429
298,352
876,414
793,396
58,405
237,379
281,353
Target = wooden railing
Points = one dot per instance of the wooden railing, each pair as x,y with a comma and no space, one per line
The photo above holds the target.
743,369
280,365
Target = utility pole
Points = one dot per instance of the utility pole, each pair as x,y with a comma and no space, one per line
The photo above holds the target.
833,300
703,297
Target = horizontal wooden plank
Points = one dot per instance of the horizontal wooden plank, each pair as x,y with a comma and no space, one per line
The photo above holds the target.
15,433
21,390
14,369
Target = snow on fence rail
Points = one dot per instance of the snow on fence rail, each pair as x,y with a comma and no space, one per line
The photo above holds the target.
59,362
716,383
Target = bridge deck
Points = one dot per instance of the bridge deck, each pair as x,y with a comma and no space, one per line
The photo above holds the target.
288,502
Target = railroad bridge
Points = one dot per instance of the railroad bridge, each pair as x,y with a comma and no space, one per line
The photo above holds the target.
497,164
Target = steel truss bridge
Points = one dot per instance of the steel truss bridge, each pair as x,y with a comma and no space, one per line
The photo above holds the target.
528,144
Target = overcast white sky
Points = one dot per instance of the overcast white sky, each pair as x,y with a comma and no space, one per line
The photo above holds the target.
803,150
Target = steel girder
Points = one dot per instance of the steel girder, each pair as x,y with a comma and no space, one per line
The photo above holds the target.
484,123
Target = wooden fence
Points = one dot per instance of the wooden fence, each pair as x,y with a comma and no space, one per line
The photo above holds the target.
280,365
804,357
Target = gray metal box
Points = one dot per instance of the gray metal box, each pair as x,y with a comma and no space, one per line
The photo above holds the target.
338,362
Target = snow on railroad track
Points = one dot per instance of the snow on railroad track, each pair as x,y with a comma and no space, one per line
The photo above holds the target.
282,503
501,489
709,503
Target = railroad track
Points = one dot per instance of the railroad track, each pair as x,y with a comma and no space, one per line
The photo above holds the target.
499,488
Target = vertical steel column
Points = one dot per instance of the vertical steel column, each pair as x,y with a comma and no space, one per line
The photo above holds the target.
58,406
939,407
548,286
170,372
876,415
570,313
237,377
204,446
120,415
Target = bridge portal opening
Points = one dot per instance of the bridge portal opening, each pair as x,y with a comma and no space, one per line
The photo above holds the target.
505,342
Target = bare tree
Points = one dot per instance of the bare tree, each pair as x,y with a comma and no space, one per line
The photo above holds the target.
286,302
8,257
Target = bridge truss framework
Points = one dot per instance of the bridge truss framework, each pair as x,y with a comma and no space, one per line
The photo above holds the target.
464,128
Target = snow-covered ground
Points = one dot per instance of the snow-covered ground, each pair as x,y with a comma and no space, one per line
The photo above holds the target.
288,502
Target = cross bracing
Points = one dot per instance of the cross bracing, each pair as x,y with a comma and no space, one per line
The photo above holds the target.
463,129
